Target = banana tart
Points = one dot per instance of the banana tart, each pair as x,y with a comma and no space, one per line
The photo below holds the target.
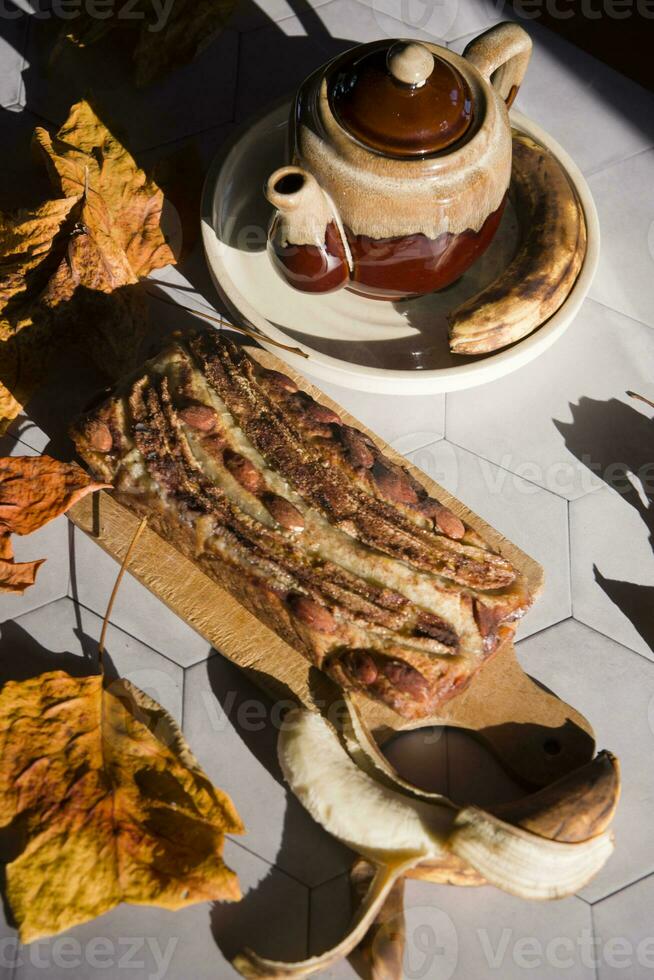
332,545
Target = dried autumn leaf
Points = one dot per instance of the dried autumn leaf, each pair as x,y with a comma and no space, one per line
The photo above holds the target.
109,802
33,491
190,28
70,269
33,247
85,159
157,47
18,576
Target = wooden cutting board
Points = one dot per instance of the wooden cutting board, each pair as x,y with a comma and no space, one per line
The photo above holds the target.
536,736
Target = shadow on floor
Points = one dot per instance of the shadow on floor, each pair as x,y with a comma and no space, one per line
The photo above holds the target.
614,440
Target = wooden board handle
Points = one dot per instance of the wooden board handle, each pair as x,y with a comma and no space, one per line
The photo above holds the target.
537,737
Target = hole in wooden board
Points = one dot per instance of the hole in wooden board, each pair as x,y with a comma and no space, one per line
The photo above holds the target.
552,746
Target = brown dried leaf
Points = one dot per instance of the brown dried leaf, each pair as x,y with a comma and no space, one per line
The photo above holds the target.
70,268
107,804
18,576
191,27
33,491
32,246
85,159
157,49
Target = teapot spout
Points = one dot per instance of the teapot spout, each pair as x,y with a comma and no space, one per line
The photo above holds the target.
305,242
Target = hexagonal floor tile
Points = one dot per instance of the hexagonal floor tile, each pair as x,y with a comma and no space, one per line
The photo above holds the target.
359,21
612,537
623,927
63,636
49,542
22,181
532,518
274,60
597,114
12,50
458,933
233,728
250,14
614,688
447,20
8,943
136,610
190,99
624,278
540,422
197,942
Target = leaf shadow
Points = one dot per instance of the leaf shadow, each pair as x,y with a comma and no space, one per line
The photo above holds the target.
614,441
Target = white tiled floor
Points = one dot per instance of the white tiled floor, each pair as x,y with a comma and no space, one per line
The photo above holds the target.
556,421
541,454
626,212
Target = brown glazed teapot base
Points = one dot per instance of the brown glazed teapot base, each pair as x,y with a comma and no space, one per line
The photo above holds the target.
388,269
414,265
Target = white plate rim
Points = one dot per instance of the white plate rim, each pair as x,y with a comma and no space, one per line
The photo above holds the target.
404,382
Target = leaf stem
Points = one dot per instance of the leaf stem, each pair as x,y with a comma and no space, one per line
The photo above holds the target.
253,334
114,591
634,394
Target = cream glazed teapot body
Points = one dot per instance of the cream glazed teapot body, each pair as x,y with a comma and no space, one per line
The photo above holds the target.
400,163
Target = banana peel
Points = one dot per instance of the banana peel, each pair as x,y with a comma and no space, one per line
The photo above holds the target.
548,260
403,831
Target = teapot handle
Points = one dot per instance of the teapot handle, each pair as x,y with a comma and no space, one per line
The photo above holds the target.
502,55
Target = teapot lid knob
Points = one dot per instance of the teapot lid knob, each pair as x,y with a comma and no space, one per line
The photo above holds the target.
410,64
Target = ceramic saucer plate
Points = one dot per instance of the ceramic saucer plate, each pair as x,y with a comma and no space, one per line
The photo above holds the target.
368,345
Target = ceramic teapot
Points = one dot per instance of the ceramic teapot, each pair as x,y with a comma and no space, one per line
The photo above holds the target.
401,160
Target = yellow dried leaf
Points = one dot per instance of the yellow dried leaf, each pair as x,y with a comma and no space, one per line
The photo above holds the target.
111,805
70,269
32,246
26,244
85,159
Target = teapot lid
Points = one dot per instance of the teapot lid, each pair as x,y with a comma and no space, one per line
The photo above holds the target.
400,99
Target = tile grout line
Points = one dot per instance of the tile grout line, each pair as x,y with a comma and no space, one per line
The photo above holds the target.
612,309
504,469
593,926
619,643
21,95
573,602
48,602
271,864
543,629
616,163
617,891
125,632
309,920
